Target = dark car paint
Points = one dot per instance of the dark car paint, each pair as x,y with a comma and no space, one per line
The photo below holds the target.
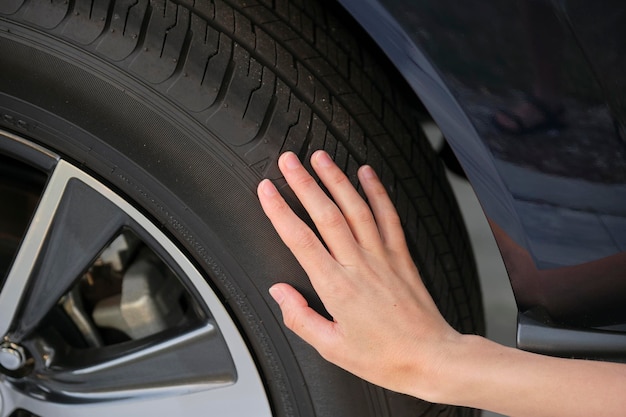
555,197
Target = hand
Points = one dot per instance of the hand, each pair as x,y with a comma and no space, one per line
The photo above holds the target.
386,328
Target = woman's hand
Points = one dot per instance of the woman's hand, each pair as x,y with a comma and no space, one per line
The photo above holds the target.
386,327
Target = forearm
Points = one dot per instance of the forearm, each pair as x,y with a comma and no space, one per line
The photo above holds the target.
485,375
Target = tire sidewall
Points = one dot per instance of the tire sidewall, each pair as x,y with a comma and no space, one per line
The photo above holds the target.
223,230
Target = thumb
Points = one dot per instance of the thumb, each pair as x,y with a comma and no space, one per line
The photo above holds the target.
302,319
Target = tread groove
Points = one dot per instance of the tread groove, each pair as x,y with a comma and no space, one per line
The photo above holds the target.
227,79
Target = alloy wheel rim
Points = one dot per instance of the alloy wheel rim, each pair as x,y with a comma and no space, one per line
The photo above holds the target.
142,375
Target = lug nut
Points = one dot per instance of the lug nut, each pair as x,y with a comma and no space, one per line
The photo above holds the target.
12,356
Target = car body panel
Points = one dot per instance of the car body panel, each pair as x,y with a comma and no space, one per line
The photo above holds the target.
554,196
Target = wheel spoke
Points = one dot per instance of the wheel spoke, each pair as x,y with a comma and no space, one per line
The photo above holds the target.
228,400
196,366
71,226
196,360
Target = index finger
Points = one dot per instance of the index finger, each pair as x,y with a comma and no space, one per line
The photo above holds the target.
298,237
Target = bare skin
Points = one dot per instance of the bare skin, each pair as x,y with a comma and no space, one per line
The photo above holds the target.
367,267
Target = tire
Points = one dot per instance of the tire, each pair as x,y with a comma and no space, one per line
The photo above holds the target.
181,110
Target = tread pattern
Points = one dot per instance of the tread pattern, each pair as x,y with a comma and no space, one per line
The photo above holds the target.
269,76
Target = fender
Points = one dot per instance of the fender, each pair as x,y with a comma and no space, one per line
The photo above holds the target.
559,223
419,71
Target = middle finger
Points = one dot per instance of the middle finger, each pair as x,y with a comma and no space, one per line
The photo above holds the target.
327,217
355,210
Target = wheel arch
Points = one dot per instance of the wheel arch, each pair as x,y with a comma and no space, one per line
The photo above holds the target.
414,65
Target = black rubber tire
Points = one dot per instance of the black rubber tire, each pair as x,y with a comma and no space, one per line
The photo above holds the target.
185,108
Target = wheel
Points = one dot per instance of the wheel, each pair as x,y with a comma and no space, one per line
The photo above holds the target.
135,133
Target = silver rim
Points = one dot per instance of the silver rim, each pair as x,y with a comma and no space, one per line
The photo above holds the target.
196,366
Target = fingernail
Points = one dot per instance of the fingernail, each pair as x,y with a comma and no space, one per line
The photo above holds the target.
291,160
323,159
277,294
268,188
368,172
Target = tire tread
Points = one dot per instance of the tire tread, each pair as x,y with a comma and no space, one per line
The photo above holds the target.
253,71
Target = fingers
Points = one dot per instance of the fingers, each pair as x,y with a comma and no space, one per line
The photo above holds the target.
327,217
389,225
347,222
355,210
385,214
298,237
301,319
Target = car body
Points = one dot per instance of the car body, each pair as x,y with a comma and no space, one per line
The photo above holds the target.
555,197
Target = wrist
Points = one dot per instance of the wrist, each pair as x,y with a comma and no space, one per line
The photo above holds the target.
460,376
